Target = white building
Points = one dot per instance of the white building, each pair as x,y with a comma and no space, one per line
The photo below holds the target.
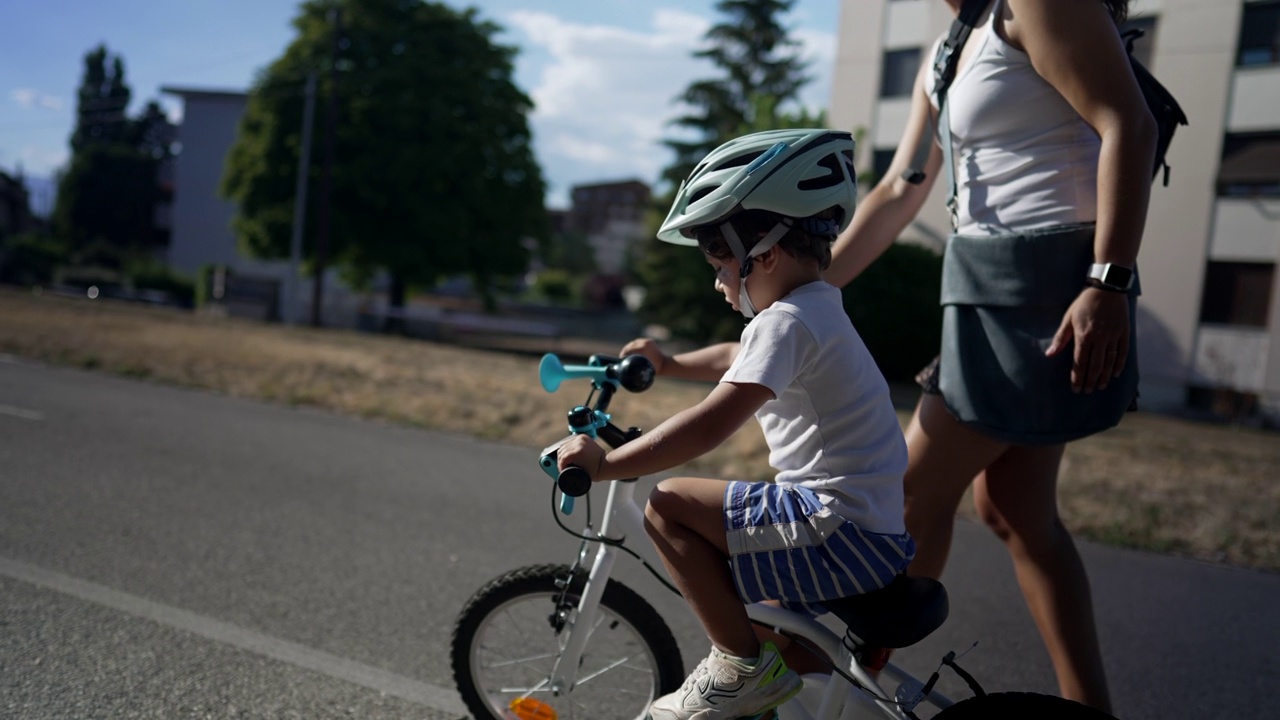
611,216
201,218
1209,317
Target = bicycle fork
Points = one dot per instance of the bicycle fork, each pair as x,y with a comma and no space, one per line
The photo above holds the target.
580,628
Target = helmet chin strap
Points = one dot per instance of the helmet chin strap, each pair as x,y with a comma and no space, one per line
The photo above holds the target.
744,259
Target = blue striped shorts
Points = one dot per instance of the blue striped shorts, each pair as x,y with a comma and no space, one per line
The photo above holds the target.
785,545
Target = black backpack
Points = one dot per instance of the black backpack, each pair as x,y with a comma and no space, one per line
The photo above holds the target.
1168,113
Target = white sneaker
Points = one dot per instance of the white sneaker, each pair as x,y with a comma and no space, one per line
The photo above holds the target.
722,688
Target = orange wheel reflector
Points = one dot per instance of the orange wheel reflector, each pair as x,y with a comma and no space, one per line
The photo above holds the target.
527,708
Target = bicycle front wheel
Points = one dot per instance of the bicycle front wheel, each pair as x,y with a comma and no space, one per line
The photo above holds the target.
1020,705
511,633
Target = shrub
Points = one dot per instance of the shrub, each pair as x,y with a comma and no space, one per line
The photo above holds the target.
158,277
894,306
30,259
556,286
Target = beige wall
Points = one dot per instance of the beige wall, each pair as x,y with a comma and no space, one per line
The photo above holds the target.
867,29
1194,58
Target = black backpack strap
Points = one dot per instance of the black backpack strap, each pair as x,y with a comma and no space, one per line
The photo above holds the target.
944,71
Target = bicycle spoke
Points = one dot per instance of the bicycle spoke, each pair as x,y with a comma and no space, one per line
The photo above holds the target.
515,649
605,669
540,687
520,661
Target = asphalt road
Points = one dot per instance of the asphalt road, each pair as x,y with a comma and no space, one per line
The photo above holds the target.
166,553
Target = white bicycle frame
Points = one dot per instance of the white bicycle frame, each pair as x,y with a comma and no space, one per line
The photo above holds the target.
623,518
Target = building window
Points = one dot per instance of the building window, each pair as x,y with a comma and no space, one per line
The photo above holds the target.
1250,165
1259,34
1145,45
880,160
898,72
1237,293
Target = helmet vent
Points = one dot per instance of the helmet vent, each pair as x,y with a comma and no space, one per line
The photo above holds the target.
834,176
700,193
739,160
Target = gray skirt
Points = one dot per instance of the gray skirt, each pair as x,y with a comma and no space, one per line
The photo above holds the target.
1003,300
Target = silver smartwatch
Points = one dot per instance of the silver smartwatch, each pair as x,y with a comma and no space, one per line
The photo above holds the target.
1109,276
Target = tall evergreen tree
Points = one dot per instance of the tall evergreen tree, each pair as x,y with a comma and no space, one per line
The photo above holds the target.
105,208
758,59
434,172
761,74
101,102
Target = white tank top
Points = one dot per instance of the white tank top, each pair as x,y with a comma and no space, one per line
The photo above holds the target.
1024,158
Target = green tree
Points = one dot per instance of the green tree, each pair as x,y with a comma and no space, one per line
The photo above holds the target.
434,174
106,206
570,251
107,195
102,102
761,76
762,73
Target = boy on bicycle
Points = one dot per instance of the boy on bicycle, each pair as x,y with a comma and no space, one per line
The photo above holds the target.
764,209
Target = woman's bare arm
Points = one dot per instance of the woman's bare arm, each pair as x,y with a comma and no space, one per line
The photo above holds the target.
893,203
1076,49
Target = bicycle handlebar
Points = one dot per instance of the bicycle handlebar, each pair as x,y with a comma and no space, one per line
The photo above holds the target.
573,481
633,373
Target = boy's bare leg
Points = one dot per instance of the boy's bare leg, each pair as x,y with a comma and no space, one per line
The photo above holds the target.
796,656
685,519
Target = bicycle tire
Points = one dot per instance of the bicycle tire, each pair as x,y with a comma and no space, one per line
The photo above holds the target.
1020,705
626,611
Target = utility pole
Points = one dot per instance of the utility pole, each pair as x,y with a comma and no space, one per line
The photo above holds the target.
290,314
326,188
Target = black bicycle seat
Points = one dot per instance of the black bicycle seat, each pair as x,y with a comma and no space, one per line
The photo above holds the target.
898,615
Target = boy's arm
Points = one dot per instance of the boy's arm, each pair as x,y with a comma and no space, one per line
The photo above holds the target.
688,434
708,364
684,436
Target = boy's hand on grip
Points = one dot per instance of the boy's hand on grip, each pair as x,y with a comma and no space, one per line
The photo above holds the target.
584,452
649,349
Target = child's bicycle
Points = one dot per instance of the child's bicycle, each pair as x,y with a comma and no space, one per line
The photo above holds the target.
568,642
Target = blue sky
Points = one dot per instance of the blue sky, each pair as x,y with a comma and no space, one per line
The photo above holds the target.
601,72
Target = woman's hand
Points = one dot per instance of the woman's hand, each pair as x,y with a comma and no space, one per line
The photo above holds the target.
1098,321
649,349
584,452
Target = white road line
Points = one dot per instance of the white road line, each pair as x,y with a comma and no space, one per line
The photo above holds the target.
438,698
20,413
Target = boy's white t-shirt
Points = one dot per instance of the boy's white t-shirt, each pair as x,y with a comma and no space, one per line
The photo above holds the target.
831,426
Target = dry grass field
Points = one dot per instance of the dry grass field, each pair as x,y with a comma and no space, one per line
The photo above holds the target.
1158,483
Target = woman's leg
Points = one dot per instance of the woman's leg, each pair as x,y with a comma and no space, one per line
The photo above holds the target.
943,458
1017,498
685,520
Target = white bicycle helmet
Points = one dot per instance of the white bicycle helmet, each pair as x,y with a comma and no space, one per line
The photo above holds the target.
796,173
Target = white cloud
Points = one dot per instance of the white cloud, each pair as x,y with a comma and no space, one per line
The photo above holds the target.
29,99
605,94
